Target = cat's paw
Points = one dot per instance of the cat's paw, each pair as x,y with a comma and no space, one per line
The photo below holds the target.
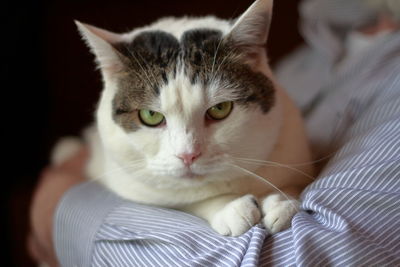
237,216
65,148
278,212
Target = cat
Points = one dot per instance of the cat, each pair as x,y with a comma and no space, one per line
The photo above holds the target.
192,118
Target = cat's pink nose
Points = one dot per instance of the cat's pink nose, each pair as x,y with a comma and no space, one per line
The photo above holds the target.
188,158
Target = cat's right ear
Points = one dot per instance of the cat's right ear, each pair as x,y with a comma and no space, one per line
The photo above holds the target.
101,44
250,30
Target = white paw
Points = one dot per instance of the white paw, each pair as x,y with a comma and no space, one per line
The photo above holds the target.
278,212
64,149
237,216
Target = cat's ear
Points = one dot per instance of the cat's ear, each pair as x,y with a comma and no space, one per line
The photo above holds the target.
251,29
101,44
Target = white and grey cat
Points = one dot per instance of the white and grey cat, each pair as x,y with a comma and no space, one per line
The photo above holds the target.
191,118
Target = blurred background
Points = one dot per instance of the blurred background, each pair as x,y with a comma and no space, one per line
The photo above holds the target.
51,86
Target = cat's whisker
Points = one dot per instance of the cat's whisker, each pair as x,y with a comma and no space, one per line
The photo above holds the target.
134,164
139,76
114,171
222,62
265,180
142,68
274,164
150,72
223,144
215,57
295,164
93,180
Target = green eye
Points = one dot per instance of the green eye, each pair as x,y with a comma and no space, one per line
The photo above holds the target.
220,111
150,118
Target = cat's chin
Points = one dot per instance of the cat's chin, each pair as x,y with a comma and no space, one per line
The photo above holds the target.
187,174
198,172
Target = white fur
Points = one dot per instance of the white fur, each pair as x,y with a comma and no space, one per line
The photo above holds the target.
237,216
278,212
64,149
143,165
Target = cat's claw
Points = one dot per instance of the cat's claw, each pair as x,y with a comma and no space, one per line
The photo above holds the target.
278,212
237,217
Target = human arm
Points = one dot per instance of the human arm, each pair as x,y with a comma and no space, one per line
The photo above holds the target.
53,183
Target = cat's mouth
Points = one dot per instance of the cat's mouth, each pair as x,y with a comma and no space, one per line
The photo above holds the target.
190,174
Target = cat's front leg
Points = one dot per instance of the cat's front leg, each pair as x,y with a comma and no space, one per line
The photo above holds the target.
229,215
278,212
237,216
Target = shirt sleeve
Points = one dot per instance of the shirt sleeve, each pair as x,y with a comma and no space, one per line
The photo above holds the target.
78,218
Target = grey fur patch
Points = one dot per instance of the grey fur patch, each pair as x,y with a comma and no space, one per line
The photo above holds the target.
147,59
208,57
154,55
199,47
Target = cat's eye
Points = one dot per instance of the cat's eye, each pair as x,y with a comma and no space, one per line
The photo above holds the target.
151,118
220,111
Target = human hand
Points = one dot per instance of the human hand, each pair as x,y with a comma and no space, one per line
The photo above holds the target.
53,183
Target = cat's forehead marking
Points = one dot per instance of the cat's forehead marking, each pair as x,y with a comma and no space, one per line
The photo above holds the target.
199,50
153,58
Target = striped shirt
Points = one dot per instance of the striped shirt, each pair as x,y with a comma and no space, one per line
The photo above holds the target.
350,216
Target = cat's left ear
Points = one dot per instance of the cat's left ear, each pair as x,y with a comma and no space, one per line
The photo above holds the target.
251,29
101,44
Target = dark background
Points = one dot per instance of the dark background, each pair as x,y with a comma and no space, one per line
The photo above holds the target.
50,84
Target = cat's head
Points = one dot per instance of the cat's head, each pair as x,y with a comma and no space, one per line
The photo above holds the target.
185,97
